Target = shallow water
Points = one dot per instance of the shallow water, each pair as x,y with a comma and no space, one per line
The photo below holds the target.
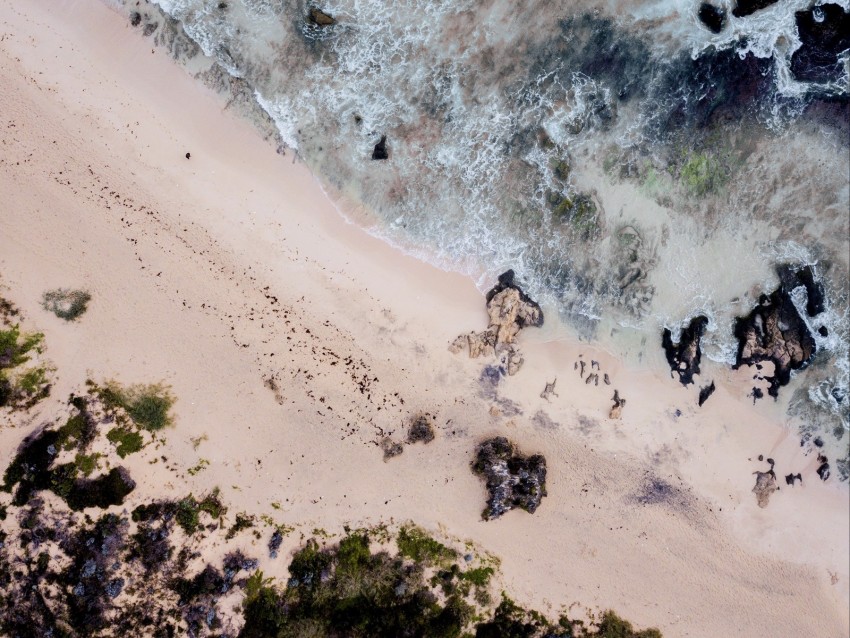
632,167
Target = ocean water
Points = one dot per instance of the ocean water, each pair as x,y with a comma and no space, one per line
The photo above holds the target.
633,167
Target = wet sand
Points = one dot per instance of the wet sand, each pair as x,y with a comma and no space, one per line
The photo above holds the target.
295,341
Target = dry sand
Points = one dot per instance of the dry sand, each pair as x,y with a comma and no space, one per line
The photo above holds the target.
220,272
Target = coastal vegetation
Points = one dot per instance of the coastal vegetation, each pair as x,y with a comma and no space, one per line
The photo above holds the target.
123,572
22,382
66,304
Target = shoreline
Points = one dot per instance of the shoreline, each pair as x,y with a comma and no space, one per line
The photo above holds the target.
392,310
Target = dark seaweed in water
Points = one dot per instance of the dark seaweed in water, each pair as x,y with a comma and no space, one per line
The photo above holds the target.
712,17
824,32
716,87
684,357
774,331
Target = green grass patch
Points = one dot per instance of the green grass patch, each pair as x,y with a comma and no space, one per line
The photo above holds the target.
480,576
612,626
66,304
202,463
415,544
86,463
243,522
126,441
148,405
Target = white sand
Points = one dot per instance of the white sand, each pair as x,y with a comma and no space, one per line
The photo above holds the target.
218,272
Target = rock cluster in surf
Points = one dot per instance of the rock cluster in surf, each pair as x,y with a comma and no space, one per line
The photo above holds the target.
509,310
774,331
513,480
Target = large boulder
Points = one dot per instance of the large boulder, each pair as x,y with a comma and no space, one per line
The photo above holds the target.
774,331
509,310
513,480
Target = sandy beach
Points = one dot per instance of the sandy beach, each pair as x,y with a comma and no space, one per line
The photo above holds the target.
295,341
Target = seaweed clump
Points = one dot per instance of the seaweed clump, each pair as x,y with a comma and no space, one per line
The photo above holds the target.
513,480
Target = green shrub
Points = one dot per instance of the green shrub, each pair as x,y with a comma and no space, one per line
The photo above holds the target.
612,626
86,463
414,543
147,405
66,304
126,441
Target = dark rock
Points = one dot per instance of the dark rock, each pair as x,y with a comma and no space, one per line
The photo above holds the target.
774,331
421,429
706,392
512,479
818,441
748,7
684,357
791,479
824,33
320,18
380,151
823,331
805,276
135,19
274,543
838,394
757,394
150,27
712,17
823,468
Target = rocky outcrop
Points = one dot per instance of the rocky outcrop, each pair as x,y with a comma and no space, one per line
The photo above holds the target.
380,151
705,392
712,17
320,18
513,480
617,409
764,487
774,331
684,357
509,310
748,7
824,33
